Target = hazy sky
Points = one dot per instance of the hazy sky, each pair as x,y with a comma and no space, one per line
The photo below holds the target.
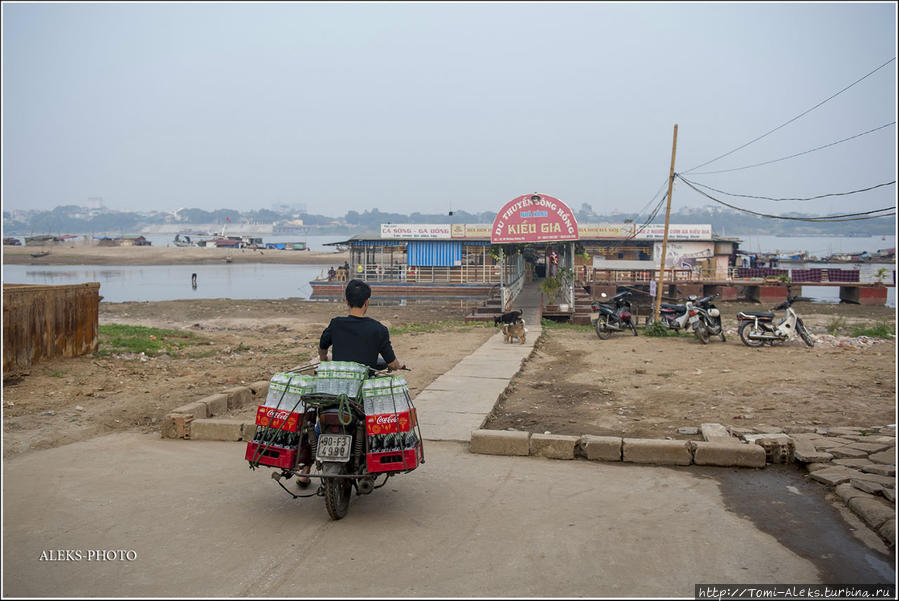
426,107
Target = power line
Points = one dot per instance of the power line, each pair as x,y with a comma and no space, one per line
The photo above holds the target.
825,219
802,114
785,199
792,156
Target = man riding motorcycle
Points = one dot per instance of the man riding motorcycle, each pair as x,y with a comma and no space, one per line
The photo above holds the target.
355,338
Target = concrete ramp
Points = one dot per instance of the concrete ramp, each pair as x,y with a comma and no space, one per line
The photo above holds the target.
459,401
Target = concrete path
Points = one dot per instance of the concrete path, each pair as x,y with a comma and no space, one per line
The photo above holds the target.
458,402
202,524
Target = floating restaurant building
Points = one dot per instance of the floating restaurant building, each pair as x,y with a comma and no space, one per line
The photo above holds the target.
531,236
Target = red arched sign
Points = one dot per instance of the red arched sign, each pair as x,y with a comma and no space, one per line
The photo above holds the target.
534,218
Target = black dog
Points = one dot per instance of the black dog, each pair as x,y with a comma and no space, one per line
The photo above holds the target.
510,317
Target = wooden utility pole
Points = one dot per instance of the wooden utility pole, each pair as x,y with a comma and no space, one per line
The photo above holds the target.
655,314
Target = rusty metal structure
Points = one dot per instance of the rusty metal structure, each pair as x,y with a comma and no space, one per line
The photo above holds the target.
41,322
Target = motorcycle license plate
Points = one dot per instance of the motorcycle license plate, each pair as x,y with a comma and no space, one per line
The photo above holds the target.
594,316
694,319
333,447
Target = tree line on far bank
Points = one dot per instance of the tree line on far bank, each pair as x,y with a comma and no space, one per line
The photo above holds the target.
74,219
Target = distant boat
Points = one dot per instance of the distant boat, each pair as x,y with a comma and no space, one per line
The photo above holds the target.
43,253
228,259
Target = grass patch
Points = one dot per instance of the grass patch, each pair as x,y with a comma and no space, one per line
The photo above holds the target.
658,329
438,326
549,324
836,325
881,329
120,338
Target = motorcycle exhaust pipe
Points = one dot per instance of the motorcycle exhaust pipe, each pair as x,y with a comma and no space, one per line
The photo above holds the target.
763,337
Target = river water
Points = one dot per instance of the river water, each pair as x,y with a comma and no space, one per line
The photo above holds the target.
247,281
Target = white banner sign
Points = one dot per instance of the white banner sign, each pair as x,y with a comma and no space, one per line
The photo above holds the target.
415,230
676,232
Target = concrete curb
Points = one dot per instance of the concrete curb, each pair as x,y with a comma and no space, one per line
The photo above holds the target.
183,420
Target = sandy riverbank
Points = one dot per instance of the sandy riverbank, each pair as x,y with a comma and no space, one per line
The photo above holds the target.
157,255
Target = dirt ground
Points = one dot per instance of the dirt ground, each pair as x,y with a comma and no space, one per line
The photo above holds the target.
160,255
642,386
235,342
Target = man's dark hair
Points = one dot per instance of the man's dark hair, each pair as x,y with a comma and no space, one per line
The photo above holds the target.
357,292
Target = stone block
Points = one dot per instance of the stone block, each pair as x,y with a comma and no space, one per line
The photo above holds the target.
805,452
661,452
238,396
873,511
847,491
836,440
838,430
767,436
856,463
866,485
834,475
870,447
888,531
216,428
883,480
247,430
798,429
777,450
738,431
728,454
553,446
500,442
879,469
847,452
176,425
259,390
889,494
688,431
216,404
715,432
601,448
887,457
197,409
814,467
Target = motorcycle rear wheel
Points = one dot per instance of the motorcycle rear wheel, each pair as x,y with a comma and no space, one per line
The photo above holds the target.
337,492
803,333
702,333
602,329
744,335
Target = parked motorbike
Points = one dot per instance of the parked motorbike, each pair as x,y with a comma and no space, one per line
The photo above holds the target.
677,317
710,317
757,328
615,317
333,435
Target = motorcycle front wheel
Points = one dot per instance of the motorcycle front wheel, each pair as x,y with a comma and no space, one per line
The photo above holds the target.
747,328
702,333
337,491
632,326
602,330
803,333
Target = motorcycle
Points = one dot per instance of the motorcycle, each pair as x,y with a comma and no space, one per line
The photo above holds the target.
350,445
710,317
756,328
616,317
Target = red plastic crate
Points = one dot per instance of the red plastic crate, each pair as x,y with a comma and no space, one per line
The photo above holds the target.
272,456
268,416
386,423
392,461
